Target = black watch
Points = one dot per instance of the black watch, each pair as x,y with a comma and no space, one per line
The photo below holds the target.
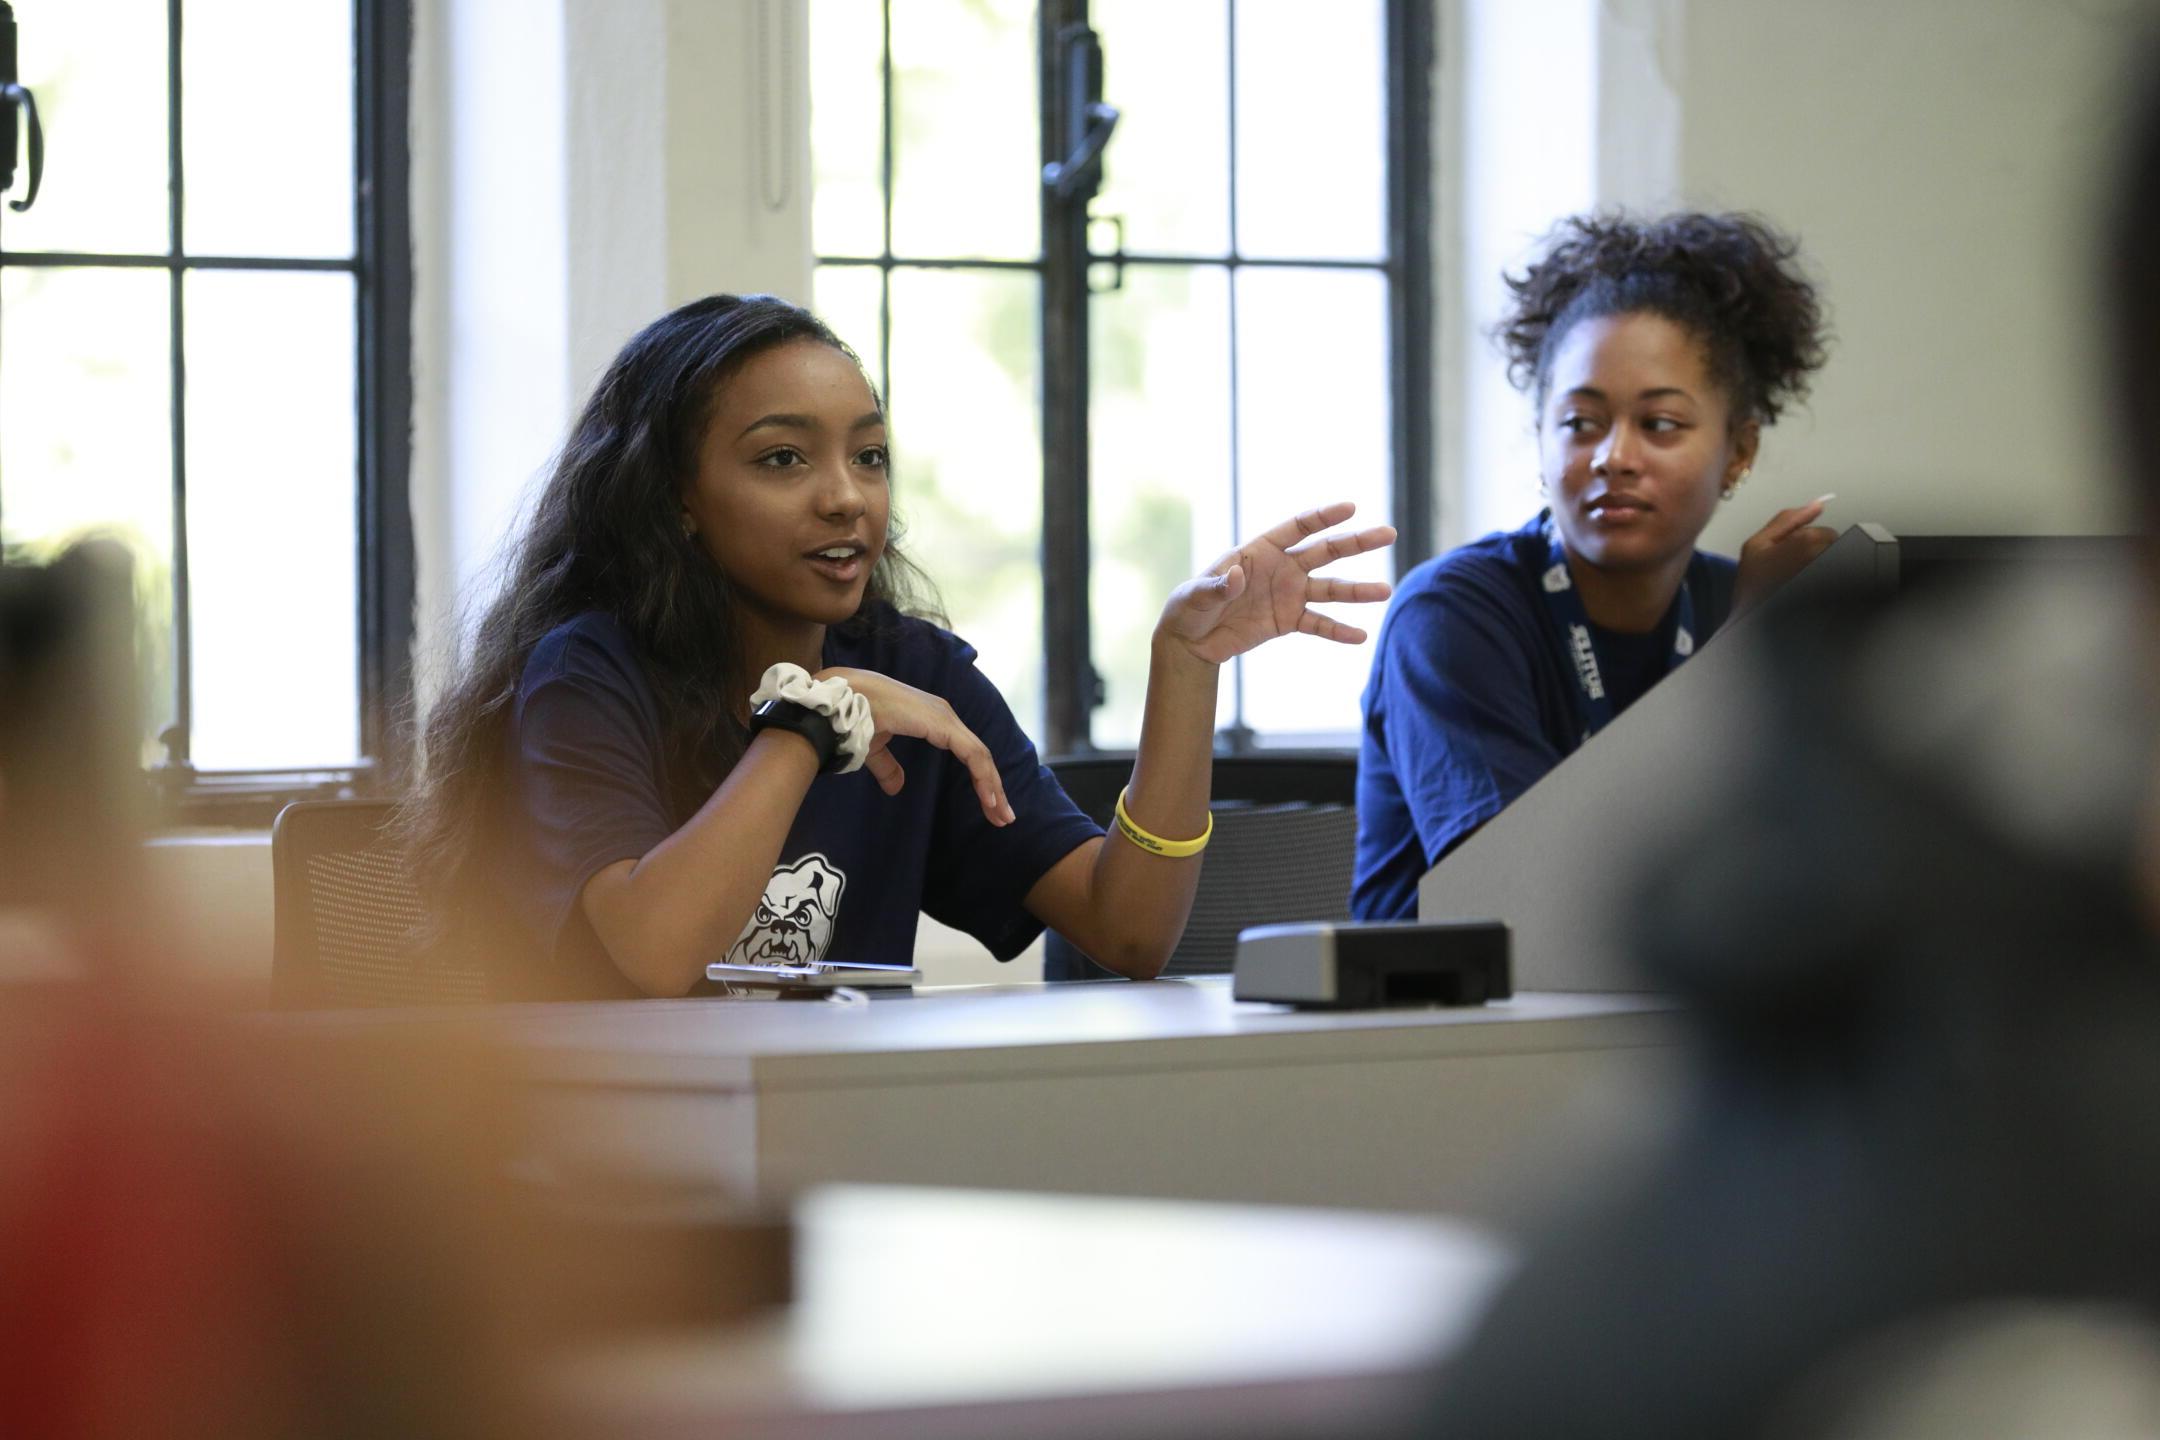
813,725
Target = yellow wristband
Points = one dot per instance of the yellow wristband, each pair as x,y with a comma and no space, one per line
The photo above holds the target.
1155,844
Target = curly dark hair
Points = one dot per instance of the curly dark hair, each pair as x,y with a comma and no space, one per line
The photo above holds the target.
606,535
1731,280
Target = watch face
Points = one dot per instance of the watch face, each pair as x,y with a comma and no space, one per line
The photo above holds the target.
808,723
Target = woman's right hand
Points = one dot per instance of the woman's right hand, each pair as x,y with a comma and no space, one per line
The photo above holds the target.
898,709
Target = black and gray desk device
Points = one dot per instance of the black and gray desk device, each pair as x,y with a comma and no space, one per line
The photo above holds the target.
1349,966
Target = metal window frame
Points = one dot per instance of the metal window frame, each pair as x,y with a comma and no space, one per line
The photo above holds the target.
381,267
1072,687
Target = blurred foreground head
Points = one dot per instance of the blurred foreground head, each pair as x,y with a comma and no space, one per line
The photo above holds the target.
207,1229
210,1230
224,1228
2130,301
1914,1189
70,771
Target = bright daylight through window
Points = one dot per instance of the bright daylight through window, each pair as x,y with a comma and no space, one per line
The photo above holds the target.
181,357
1240,352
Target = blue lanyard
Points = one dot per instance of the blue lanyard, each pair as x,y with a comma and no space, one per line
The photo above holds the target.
1574,624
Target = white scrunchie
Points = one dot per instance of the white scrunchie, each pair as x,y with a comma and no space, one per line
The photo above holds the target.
831,697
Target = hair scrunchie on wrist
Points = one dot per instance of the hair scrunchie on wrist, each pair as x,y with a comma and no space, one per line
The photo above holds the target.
831,697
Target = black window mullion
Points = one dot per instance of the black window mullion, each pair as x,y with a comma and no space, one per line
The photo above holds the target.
382,267
1237,735
1071,687
1410,51
178,737
927,262
885,197
78,259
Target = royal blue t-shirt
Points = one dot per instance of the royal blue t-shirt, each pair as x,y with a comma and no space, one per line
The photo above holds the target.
1473,697
591,783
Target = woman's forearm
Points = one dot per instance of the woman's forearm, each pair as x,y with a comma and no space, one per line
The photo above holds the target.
1131,906
1139,901
664,917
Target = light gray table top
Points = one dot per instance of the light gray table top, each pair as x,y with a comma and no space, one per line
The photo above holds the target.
946,1312
1045,1029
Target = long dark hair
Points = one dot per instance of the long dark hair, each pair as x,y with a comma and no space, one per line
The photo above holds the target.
606,535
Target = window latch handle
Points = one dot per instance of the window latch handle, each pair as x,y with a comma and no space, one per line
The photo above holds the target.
13,97
1087,120
19,97
1066,176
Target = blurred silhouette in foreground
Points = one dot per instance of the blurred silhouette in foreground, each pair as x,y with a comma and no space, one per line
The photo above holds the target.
1916,1188
228,1226
70,789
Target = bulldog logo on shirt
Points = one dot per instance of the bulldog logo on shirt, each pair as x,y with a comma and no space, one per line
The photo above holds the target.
793,923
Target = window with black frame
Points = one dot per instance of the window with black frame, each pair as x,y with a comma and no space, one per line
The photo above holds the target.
204,352
1254,337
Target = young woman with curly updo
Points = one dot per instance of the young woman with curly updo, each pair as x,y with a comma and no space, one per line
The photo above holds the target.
1656,352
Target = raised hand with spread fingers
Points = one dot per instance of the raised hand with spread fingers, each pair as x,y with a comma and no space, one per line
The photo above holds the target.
1124,899
1268,586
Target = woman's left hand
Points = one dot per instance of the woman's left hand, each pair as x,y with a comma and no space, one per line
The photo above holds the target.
1779,551
1266,587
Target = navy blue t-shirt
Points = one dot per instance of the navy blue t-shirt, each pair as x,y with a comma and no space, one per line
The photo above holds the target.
1473,697
591,783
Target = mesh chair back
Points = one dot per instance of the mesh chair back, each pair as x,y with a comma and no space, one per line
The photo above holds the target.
1285,836
1266,865
349,915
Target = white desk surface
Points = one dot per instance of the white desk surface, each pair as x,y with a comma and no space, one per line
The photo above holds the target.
964,1313
1168,1089
1047,1029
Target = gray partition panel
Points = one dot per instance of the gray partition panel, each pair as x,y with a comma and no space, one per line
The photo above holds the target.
1553,864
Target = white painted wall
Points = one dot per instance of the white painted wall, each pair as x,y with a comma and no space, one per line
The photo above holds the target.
491,268
579,167
1518,106
1939,160
1942,162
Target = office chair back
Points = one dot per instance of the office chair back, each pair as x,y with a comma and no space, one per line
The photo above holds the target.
349,916
1285,833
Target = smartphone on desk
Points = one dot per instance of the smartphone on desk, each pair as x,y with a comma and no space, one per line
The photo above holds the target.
815,977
